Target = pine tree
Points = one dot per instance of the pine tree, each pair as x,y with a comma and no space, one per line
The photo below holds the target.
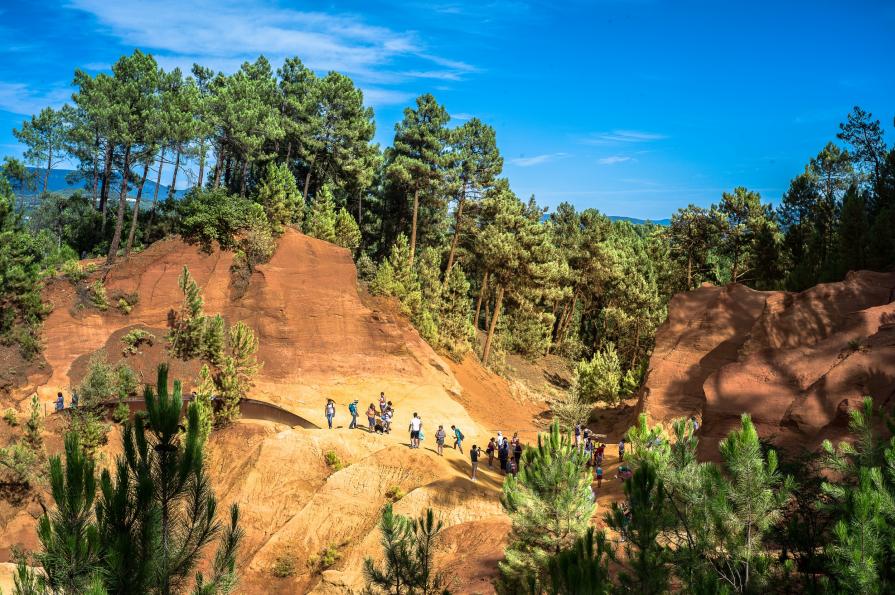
70,541
852,232
278,194
600,378
239,366
345,231
409,547
550,505
583,569
692,233
455,326
418,157
642,520
204,393
187,326
320,221
396,277
45,136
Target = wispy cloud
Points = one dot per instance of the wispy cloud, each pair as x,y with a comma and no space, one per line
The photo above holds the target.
536,159
378,97
623,136
224,33
19,98
462,116
613,159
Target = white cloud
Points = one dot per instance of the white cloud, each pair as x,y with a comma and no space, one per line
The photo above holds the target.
224,33
623,136
536,159
613,159
19,98
462,116
377,97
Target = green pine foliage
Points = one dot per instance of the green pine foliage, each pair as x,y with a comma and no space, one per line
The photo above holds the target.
346,232
320,222
600,379
550,505
408,560
279,195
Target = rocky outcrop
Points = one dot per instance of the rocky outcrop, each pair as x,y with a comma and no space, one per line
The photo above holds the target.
794,361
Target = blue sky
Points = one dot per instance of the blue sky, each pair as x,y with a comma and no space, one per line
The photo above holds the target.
635,107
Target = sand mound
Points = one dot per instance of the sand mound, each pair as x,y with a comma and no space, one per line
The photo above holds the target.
795,362
318,339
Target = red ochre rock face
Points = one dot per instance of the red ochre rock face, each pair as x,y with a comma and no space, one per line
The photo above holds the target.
795,362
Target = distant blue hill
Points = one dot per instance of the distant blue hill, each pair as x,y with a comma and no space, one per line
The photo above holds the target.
67,181
637,221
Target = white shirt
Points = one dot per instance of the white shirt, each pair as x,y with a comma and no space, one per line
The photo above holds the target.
415,424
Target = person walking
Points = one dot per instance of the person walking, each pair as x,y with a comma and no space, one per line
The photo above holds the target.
371,417
416,424
474,453
599,474
490,451
458,438
440,435
621,449
330,412
352,409
60,402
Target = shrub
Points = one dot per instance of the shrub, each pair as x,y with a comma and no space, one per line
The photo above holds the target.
394,493
855,344
284,566
279,195
90,428
346,231
99,299
209,216
133,339
73,270
127,302
21,462
10,417
104,381
332,460
327,558
320,221
121,413
570,409
600,378
366,268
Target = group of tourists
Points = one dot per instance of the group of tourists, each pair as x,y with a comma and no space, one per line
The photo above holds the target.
60,401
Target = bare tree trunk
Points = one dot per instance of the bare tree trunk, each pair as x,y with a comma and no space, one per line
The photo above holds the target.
122,202
288,152
689,272
486,352
95,178
136,213
158,182
202,154
416,208
457,218
172,188
478,304
218,167
107,178
304,195
49,167
245,175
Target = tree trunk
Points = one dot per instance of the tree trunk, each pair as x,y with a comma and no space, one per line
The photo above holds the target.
158,181
245,175
107,178
569,314
173,187
218,167
416,208
95,179
136,213
202,154
487,350
122,203
478,304
457,217
288,153
228,166
304,194
689,272
49,167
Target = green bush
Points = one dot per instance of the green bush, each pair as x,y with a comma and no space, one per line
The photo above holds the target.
394,493
209,216
332,460
127,302
73,270
104,381
327,558
284,566
366,268
121,413
10,417
133,339
600,378
346,231
99,299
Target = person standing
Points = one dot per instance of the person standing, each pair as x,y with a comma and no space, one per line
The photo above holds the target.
517,453
330,412
458,438
352,409
440,435
490,451
382,403
621,449
387,421
371,417
578,435
60,402
474,453
416,424
503,455
599,473
695,423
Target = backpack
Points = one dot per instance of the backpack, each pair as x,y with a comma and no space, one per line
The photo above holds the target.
460,435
